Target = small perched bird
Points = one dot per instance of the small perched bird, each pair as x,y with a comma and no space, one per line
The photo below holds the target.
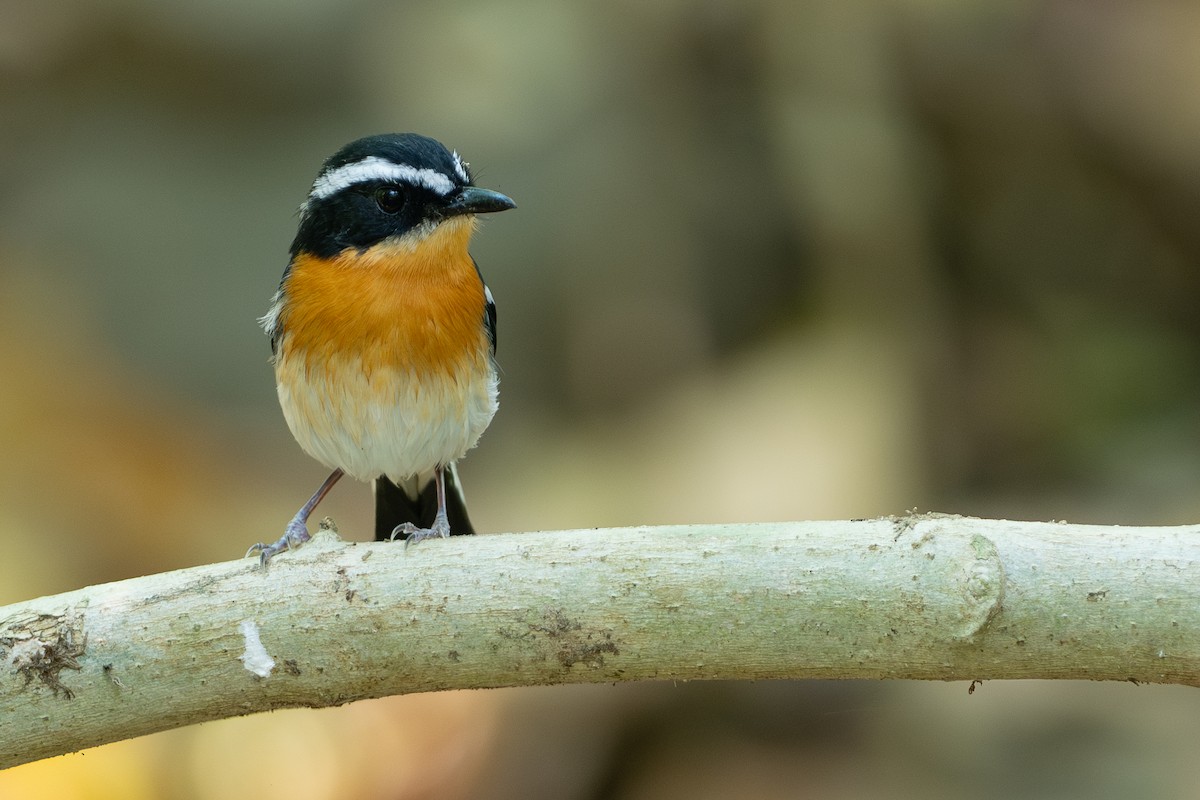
383,334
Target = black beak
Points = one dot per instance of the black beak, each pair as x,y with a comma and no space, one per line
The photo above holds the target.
473,200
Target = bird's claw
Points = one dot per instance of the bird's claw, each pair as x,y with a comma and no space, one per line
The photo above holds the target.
294,535
412,534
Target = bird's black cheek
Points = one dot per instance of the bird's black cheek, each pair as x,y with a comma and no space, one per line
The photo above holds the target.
433,212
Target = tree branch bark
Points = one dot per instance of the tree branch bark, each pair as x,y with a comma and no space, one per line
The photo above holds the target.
923,596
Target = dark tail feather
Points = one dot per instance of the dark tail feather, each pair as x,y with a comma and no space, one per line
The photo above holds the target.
395,506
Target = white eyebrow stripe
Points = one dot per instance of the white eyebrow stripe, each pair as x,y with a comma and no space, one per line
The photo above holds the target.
374,168
460,167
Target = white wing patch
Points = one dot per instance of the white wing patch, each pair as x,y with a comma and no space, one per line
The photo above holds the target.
270,320
374,168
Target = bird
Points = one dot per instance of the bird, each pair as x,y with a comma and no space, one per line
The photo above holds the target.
383,333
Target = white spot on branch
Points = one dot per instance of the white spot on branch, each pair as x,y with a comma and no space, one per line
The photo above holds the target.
256,658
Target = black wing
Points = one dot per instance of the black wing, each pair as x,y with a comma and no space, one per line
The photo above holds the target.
489,308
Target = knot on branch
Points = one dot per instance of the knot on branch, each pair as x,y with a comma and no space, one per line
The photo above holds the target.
40,646
984,586
971,568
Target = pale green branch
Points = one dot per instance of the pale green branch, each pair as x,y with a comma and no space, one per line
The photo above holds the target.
926,596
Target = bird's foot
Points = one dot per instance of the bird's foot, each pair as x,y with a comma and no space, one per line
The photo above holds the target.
295,535
412,534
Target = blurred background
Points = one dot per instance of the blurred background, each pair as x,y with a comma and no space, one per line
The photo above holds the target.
773,260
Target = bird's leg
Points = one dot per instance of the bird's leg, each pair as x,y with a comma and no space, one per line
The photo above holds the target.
441,523
296,532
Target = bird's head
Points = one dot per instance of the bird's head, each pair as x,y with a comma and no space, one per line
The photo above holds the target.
395,188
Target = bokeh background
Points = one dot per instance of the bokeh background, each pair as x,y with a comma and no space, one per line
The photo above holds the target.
773,260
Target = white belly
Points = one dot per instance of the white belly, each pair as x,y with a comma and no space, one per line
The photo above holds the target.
386,423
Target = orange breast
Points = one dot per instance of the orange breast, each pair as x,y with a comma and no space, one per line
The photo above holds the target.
414,305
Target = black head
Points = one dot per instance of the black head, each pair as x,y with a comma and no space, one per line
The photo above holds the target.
387,186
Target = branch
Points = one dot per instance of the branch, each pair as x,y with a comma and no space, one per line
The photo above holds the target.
926,596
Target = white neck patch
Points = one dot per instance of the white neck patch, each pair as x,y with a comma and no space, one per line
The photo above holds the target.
374,168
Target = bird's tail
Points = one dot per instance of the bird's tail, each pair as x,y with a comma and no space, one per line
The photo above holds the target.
416,502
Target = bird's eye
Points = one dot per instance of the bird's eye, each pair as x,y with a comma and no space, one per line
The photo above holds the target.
390,199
